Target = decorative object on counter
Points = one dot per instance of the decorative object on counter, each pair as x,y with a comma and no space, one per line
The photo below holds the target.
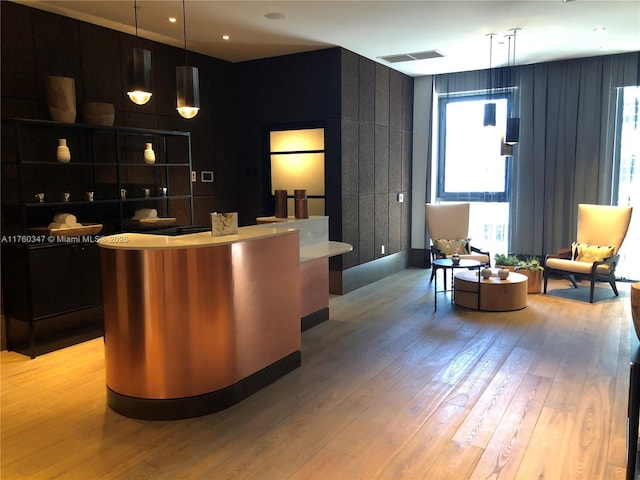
486,273
455,258
503,273
301,203
98,113
66,196
147,218
61,98
281,204
89,196
40,197
123,193
147,192
635,307
139,78
63,154
64,221
224,224
187,81
149,154
65,225
142,213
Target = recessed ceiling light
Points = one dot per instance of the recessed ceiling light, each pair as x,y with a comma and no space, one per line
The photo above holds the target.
275,16
172,20
226,37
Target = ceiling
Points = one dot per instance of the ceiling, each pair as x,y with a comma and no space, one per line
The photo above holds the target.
550,29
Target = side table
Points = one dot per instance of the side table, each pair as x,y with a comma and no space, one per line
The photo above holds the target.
444,264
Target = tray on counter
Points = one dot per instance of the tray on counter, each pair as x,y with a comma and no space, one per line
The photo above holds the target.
84,229
149,223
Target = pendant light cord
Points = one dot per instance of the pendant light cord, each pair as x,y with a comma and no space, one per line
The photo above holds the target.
184,30
135,14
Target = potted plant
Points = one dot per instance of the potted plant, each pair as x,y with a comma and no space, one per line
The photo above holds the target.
506,261
532,269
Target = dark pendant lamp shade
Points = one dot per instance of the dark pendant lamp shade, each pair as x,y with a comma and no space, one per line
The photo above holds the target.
187,91
513,131
489,114
139,90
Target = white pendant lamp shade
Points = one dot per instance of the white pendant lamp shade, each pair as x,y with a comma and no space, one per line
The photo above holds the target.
187,91
139,90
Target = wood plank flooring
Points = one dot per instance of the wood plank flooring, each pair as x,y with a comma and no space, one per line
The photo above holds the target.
388,389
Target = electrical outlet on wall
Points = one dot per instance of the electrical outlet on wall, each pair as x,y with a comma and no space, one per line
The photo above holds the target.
382,250
194,176
401,197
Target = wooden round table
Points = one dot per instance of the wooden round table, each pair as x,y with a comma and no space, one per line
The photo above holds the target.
495,295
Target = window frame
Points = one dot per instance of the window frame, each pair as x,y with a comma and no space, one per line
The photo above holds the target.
441,194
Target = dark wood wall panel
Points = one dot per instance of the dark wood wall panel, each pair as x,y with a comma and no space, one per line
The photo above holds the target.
384,164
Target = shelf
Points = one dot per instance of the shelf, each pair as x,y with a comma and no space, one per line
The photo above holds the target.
57,284
101,128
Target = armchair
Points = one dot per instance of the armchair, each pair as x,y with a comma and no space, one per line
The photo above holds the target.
448,226
594,254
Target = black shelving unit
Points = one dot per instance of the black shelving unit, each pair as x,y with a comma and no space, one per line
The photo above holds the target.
51,284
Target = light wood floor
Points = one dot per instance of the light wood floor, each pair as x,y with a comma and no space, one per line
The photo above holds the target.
388,389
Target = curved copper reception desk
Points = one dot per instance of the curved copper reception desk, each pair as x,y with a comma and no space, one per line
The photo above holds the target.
195,323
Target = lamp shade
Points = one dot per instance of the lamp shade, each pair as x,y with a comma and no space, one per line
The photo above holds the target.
139,76
489,114
187,91
513,131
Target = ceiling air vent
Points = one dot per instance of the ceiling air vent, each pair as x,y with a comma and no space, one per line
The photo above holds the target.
410,57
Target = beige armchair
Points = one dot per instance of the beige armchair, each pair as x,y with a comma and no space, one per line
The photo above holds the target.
448,226
594,254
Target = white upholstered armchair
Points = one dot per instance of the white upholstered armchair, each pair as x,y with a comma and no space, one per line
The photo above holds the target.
448,225
594,254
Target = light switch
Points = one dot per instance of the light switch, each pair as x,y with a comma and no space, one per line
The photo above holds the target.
401,197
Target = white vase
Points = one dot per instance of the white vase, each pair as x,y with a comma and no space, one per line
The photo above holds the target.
63,154
486,273
149,154
503,273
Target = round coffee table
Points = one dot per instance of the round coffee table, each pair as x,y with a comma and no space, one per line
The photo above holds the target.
495,295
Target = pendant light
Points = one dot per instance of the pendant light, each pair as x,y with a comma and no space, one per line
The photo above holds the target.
139,70
512,135
490,108
187,81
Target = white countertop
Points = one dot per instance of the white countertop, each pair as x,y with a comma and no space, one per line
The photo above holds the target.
323,249
147,241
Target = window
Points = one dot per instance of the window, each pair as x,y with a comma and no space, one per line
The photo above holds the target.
627,175
470,167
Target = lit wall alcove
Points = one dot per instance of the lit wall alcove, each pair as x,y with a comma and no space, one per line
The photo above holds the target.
296,158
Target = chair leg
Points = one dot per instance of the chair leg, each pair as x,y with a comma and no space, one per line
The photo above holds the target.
546,278
612,282
593,284
433,274
572,278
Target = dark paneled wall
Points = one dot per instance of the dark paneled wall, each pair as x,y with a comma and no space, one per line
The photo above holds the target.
377,123
366,109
